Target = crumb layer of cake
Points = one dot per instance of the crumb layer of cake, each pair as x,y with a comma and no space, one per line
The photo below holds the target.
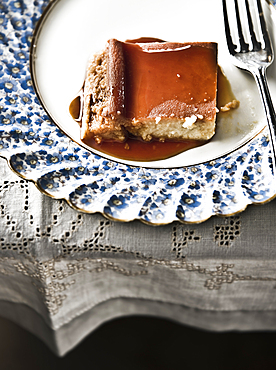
173,129
97,94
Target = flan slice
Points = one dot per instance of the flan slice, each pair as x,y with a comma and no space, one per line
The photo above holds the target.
153,90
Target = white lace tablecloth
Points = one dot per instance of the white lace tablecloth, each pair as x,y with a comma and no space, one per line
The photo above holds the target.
63,273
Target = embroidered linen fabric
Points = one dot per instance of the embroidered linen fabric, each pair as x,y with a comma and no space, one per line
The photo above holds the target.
63,272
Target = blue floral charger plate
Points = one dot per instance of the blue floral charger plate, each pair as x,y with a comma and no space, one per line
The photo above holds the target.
40,150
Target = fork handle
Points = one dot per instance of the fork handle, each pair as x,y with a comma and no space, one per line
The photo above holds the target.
261,80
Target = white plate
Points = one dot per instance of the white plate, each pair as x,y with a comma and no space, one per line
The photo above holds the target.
72,30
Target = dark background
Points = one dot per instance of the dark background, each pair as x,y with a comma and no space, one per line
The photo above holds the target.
141,343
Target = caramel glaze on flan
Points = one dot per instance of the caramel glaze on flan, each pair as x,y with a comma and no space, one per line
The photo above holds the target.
151,89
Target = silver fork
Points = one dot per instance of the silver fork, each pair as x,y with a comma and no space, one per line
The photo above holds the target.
254,60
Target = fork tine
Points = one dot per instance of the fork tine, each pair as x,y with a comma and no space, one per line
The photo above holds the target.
243,44
256,44
231,46
263,26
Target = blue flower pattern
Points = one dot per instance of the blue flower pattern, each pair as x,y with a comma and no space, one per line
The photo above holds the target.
39,151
